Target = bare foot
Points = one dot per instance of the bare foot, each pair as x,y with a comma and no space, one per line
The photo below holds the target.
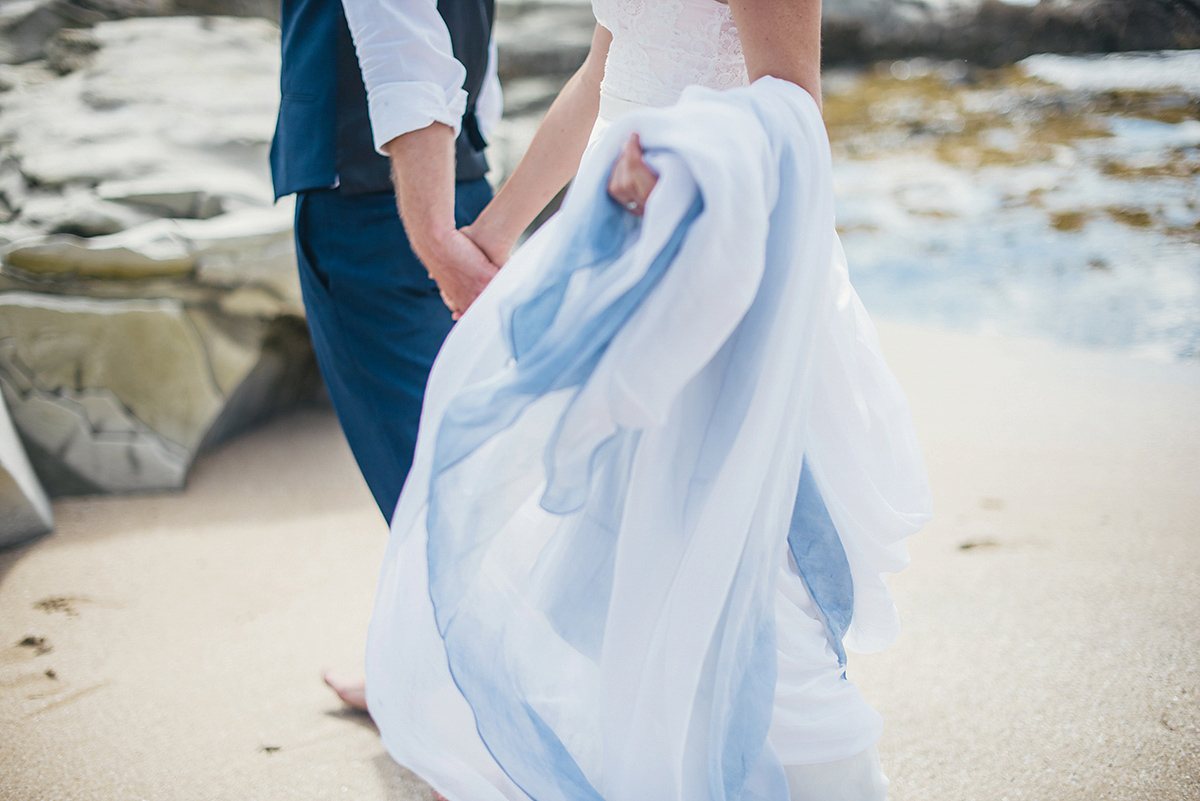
353,692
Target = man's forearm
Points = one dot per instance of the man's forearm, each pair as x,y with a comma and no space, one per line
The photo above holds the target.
423,174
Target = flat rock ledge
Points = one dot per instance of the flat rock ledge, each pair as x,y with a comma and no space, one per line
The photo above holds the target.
149,304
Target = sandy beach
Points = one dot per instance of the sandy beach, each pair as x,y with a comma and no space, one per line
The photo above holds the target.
170,647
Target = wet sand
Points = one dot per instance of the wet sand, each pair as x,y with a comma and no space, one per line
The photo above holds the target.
170,647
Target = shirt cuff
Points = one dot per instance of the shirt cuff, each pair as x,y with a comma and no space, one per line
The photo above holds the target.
398,108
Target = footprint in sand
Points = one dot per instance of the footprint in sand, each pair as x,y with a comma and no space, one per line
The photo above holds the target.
970,544
66,604
38,644
33,686
22,679
27,649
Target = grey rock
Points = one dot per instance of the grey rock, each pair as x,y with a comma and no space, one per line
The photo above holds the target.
13,189
551,37
137,111
251,246
32,29
76,457
26,26
185,192
182,203
24,508
122,395
530,95
75,347
267,9
79,212
154,249
542,38
1174,73
992,33
16,230
149,302
70,50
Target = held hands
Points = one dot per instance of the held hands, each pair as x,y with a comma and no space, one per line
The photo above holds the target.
632,180
488,242
490,238
423,174
465,261
460,269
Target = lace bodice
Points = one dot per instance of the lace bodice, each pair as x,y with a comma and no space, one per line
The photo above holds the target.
659,47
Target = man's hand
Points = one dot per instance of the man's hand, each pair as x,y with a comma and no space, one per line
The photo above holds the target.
460,269
423,174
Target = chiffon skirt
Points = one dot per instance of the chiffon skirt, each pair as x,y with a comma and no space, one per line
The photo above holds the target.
588,592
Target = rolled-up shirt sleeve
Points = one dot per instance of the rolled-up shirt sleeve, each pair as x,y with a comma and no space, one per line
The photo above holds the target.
408,66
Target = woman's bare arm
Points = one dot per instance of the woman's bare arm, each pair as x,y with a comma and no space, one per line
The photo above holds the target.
551,160
781,38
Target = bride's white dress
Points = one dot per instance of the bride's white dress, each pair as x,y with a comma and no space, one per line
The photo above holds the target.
602,581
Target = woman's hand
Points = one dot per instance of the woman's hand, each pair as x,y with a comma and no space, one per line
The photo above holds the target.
632,180
494,244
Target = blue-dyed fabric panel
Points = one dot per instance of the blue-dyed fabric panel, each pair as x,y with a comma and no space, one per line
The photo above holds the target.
821,560
523,744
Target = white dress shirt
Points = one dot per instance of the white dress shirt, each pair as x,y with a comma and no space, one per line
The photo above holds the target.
408,66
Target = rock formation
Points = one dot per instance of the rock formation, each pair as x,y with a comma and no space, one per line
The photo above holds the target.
29,28
992,33
149,306
540,38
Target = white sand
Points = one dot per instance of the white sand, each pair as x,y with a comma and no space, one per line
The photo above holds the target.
1063,662
1058,663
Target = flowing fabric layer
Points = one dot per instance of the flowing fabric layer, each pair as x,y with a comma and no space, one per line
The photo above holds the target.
634,432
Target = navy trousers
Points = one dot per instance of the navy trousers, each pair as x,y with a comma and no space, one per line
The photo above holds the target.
376,319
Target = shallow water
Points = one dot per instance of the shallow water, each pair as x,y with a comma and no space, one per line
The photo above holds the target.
1058,198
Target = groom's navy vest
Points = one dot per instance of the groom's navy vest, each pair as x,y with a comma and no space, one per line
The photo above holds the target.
323,134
